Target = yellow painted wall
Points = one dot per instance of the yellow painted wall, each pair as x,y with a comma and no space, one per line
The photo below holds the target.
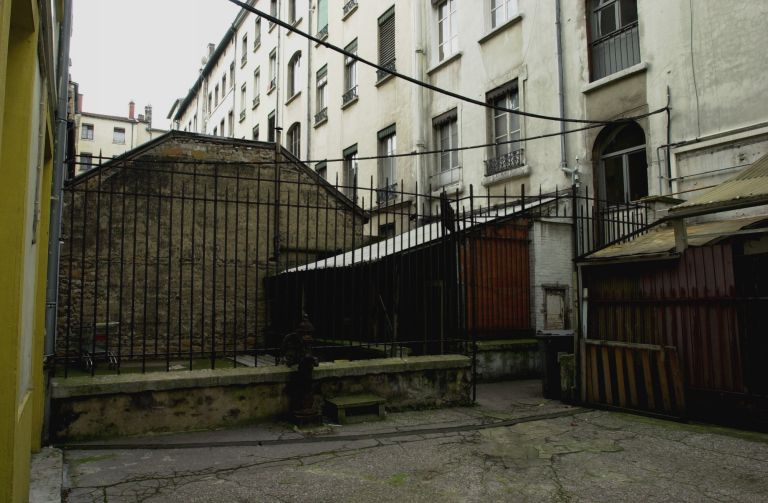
23,247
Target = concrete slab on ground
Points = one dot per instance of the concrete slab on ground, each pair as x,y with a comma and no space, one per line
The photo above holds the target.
45,477
512,446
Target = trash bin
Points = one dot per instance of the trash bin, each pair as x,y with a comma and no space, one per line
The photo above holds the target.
552,342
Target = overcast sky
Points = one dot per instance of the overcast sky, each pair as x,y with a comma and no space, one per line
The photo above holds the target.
148,51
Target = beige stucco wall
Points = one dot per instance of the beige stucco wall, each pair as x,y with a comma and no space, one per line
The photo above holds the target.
136,133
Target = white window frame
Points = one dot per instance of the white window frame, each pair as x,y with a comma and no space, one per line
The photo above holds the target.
501,11
115,138
447,30
85,128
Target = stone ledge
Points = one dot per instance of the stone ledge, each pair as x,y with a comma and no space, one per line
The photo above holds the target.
183,379
508,345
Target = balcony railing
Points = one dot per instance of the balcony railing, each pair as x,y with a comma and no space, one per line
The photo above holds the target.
257,43
505,162
350,6
242,115
349,96
255,102
272,85
386,193
389,65
322,33
243,59
615,51
321,116
445,177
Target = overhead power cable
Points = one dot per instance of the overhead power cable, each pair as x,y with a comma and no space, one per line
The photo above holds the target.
341,159
426,85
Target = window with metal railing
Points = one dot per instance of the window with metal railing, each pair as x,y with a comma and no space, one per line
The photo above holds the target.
386,188
349,7
507,153
614,36
446,133
350,75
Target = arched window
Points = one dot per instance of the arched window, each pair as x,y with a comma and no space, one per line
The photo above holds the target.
294,74
294,139
623,171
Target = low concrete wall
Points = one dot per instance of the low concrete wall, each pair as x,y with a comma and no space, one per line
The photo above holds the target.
508,359
120,405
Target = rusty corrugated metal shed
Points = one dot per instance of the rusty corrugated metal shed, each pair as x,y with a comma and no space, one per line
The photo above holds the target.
661,240
748,188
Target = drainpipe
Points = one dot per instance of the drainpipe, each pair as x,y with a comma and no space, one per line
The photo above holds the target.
59,173
561,98
417,95
310,10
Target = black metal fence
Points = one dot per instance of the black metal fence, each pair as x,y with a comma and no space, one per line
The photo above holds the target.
191,265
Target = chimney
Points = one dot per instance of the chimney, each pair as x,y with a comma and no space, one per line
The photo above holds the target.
148,114
211,48
131,110
79,103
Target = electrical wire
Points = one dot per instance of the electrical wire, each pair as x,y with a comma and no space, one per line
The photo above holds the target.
341,159
426,85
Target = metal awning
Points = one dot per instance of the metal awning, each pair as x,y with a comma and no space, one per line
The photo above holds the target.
748,188
660,242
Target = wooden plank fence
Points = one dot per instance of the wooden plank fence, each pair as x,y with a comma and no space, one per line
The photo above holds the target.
633,376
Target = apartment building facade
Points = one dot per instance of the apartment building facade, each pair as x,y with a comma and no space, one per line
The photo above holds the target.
591,60
100,136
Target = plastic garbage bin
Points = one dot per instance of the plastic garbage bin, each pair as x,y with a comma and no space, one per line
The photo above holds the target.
551,343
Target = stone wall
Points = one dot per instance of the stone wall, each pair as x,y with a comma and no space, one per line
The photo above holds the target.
120,405
502,360
174,242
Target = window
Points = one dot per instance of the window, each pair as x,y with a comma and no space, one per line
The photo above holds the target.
322,170
386,42
623,166
215,131
257,33
386,168
387,231
118,135
271,126
349,7
223,86
230,124
272,12
221,128
272,70
232,74
86,161
194,122
350,75
321,108
294,75
349,176
501,11
322,19
210,102
446,133
294,139
447,41
292,11
256,87
86,132
216,91
505,130
255,133
243,100
614,36
244,57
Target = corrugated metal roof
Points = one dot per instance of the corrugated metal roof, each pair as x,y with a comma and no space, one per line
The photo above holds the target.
661,240
748,187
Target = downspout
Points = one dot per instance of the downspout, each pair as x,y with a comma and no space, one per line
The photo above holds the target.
59,173
310,10
417,96
561,98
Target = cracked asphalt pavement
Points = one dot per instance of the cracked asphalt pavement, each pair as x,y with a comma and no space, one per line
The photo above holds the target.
514,446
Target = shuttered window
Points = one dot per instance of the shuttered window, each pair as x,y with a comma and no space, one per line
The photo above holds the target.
387,41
